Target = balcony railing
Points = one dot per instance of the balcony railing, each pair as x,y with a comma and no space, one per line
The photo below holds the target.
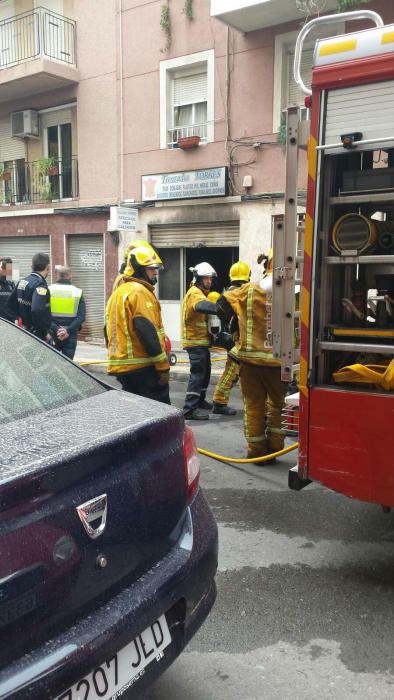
35,34
25,183
181,131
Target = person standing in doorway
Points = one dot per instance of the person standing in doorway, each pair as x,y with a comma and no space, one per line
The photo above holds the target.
196,339
7,287
134,330
31,299
239,274
68,311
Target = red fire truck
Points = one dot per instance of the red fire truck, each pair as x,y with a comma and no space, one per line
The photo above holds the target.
346,365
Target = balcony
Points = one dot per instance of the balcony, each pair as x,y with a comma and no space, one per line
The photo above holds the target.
250,15
37,54
46,180
181,132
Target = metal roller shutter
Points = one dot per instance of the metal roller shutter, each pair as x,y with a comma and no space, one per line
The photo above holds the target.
86,259
366,108
10,148
21,250
219,233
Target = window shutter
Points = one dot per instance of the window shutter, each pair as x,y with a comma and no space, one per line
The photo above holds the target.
190,89
294,94
10,148
58,116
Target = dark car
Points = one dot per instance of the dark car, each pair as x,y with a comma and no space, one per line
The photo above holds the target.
108,549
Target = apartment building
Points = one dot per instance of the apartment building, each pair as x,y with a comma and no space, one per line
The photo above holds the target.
174,108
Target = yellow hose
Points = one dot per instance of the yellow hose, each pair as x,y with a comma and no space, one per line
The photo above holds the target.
273,455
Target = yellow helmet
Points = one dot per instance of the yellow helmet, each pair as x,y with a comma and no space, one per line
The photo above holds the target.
239,272
136,244
142,256
213,296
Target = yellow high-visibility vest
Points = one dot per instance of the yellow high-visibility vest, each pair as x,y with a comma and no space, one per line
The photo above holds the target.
65,300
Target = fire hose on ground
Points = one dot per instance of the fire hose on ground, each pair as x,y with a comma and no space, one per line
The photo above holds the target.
213,455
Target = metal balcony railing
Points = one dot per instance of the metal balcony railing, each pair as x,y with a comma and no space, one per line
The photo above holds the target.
37,33
39,181
181,131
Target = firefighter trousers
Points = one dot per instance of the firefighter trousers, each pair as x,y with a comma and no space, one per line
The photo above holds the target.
200,375
264,397
227,380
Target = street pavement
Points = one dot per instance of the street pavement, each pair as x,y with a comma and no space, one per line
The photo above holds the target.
305,587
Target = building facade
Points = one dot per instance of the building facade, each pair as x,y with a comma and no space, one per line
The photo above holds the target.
174,109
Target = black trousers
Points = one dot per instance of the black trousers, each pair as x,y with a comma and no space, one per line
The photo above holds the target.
200,375
145,382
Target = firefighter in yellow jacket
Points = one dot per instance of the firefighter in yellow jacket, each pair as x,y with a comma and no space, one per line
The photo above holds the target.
262,389
134,329
196,339
239,274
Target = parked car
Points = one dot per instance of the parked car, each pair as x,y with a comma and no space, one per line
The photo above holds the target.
108,549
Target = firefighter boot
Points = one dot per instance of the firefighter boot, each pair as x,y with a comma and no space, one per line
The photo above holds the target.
223,409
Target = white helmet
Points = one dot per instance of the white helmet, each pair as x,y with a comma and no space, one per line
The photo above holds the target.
203,269
266,284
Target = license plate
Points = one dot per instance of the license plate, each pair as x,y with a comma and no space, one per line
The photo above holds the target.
113,677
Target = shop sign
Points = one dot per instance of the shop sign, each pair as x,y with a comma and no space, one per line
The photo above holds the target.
123,219
190,184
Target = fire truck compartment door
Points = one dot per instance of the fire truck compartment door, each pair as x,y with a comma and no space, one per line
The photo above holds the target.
351,443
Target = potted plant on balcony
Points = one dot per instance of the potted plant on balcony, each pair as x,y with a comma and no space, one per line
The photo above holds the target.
186,142
47,166
5,174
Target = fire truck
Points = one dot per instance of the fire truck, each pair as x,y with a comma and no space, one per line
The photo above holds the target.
343,258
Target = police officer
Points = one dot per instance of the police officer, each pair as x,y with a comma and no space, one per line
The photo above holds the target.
134,330
197,340
68,311
31,298
6,288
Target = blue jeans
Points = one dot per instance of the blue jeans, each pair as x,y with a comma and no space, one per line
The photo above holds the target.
69,346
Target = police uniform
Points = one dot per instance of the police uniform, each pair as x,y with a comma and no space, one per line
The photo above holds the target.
135,338
30,301
68,309
6,289
260,373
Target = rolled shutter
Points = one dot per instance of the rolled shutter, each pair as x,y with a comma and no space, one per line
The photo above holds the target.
58,116
294,94
10,148
220,233
21,250
86,259
190,89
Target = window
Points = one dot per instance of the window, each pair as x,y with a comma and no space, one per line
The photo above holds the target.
36,379
186,98
13,190
170,276
286,90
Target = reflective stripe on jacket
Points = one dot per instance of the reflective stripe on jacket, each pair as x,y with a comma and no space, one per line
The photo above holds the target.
126,353
253,308
65,300
195,330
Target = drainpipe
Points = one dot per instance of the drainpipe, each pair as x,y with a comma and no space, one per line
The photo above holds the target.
121,103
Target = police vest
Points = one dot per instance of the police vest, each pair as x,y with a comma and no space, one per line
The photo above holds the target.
65,300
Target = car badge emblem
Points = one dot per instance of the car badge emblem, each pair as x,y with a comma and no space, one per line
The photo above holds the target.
93,515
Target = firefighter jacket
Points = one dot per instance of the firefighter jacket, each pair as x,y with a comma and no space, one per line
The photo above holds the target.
134,329
68,307
253,308
6,289
119,279
195,331
30,301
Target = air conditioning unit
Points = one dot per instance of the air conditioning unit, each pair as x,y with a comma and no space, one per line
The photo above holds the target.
25,124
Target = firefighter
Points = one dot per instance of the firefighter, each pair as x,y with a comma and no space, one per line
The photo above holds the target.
239,274
31,299
134,244
7,287
134,330
68,311
197,340
260,373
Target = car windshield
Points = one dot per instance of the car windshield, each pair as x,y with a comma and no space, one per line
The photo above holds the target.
33,378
